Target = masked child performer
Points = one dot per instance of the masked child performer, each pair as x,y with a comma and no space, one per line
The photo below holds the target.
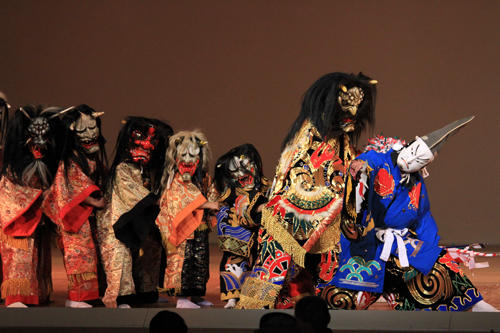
301,222
30,159
240,179
186,216
72,198
389,236
129,243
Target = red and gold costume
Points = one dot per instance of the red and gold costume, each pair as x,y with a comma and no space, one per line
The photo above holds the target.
24,244
64,206
181,224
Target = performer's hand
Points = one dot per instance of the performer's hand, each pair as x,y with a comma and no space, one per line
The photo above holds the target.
97,203
260,208
100,203
355,168
210,205
44,194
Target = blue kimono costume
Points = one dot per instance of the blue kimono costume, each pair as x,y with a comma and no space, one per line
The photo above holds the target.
394,210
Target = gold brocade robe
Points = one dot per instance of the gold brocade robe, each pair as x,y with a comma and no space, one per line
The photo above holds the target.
306,200
127,191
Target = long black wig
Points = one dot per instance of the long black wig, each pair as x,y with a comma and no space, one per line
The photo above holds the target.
124,141
321,107
74,151
4,120
18,162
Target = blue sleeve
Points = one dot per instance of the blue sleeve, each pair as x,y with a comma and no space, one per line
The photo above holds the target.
426,227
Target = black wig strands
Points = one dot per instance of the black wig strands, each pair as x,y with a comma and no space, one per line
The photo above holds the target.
18,161
124,142
321,107
222,173
74,151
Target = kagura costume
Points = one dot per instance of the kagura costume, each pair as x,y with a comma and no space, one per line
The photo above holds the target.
302,219
64,206
129,249
391,245
24,243
184,230
237,228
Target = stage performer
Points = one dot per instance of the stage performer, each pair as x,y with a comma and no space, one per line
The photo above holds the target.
30,159
129,241
302,219
72,198
186,216
389,238
240,178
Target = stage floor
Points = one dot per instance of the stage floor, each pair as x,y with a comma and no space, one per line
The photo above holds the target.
54,318
487,281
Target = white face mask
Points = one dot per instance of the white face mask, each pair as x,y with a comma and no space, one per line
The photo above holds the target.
414,157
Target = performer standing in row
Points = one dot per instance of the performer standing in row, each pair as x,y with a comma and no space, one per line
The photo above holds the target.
30,161
240,179
71,200
129,241
302,219
186,218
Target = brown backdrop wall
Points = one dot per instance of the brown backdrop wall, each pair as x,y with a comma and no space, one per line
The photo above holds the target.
237,71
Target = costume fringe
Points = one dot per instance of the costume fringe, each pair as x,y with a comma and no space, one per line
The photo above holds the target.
229,295
17,242
283,237
74,278
251,303
15,287
172,292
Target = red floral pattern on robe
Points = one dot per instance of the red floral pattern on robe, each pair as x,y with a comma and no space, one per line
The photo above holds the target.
20,210
384,183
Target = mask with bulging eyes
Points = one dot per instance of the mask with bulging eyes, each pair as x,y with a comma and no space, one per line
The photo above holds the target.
87,132
38,130
242,172
349,101
188,158
142,145
415,156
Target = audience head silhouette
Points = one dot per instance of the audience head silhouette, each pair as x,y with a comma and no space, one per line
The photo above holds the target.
312,314
167,321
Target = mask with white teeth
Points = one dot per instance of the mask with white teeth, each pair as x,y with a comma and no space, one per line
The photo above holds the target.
243,172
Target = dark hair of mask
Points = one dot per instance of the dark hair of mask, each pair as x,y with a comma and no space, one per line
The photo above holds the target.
222,176
16,154
321,107
4,121
123,143
73,150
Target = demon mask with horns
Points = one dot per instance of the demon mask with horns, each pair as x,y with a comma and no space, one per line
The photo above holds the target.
337,103
143,141
86,125
30,144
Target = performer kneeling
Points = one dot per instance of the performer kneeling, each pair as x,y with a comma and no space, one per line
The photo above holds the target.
389,238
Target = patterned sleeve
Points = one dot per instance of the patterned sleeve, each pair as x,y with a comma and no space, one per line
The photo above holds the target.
19,207
63,204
